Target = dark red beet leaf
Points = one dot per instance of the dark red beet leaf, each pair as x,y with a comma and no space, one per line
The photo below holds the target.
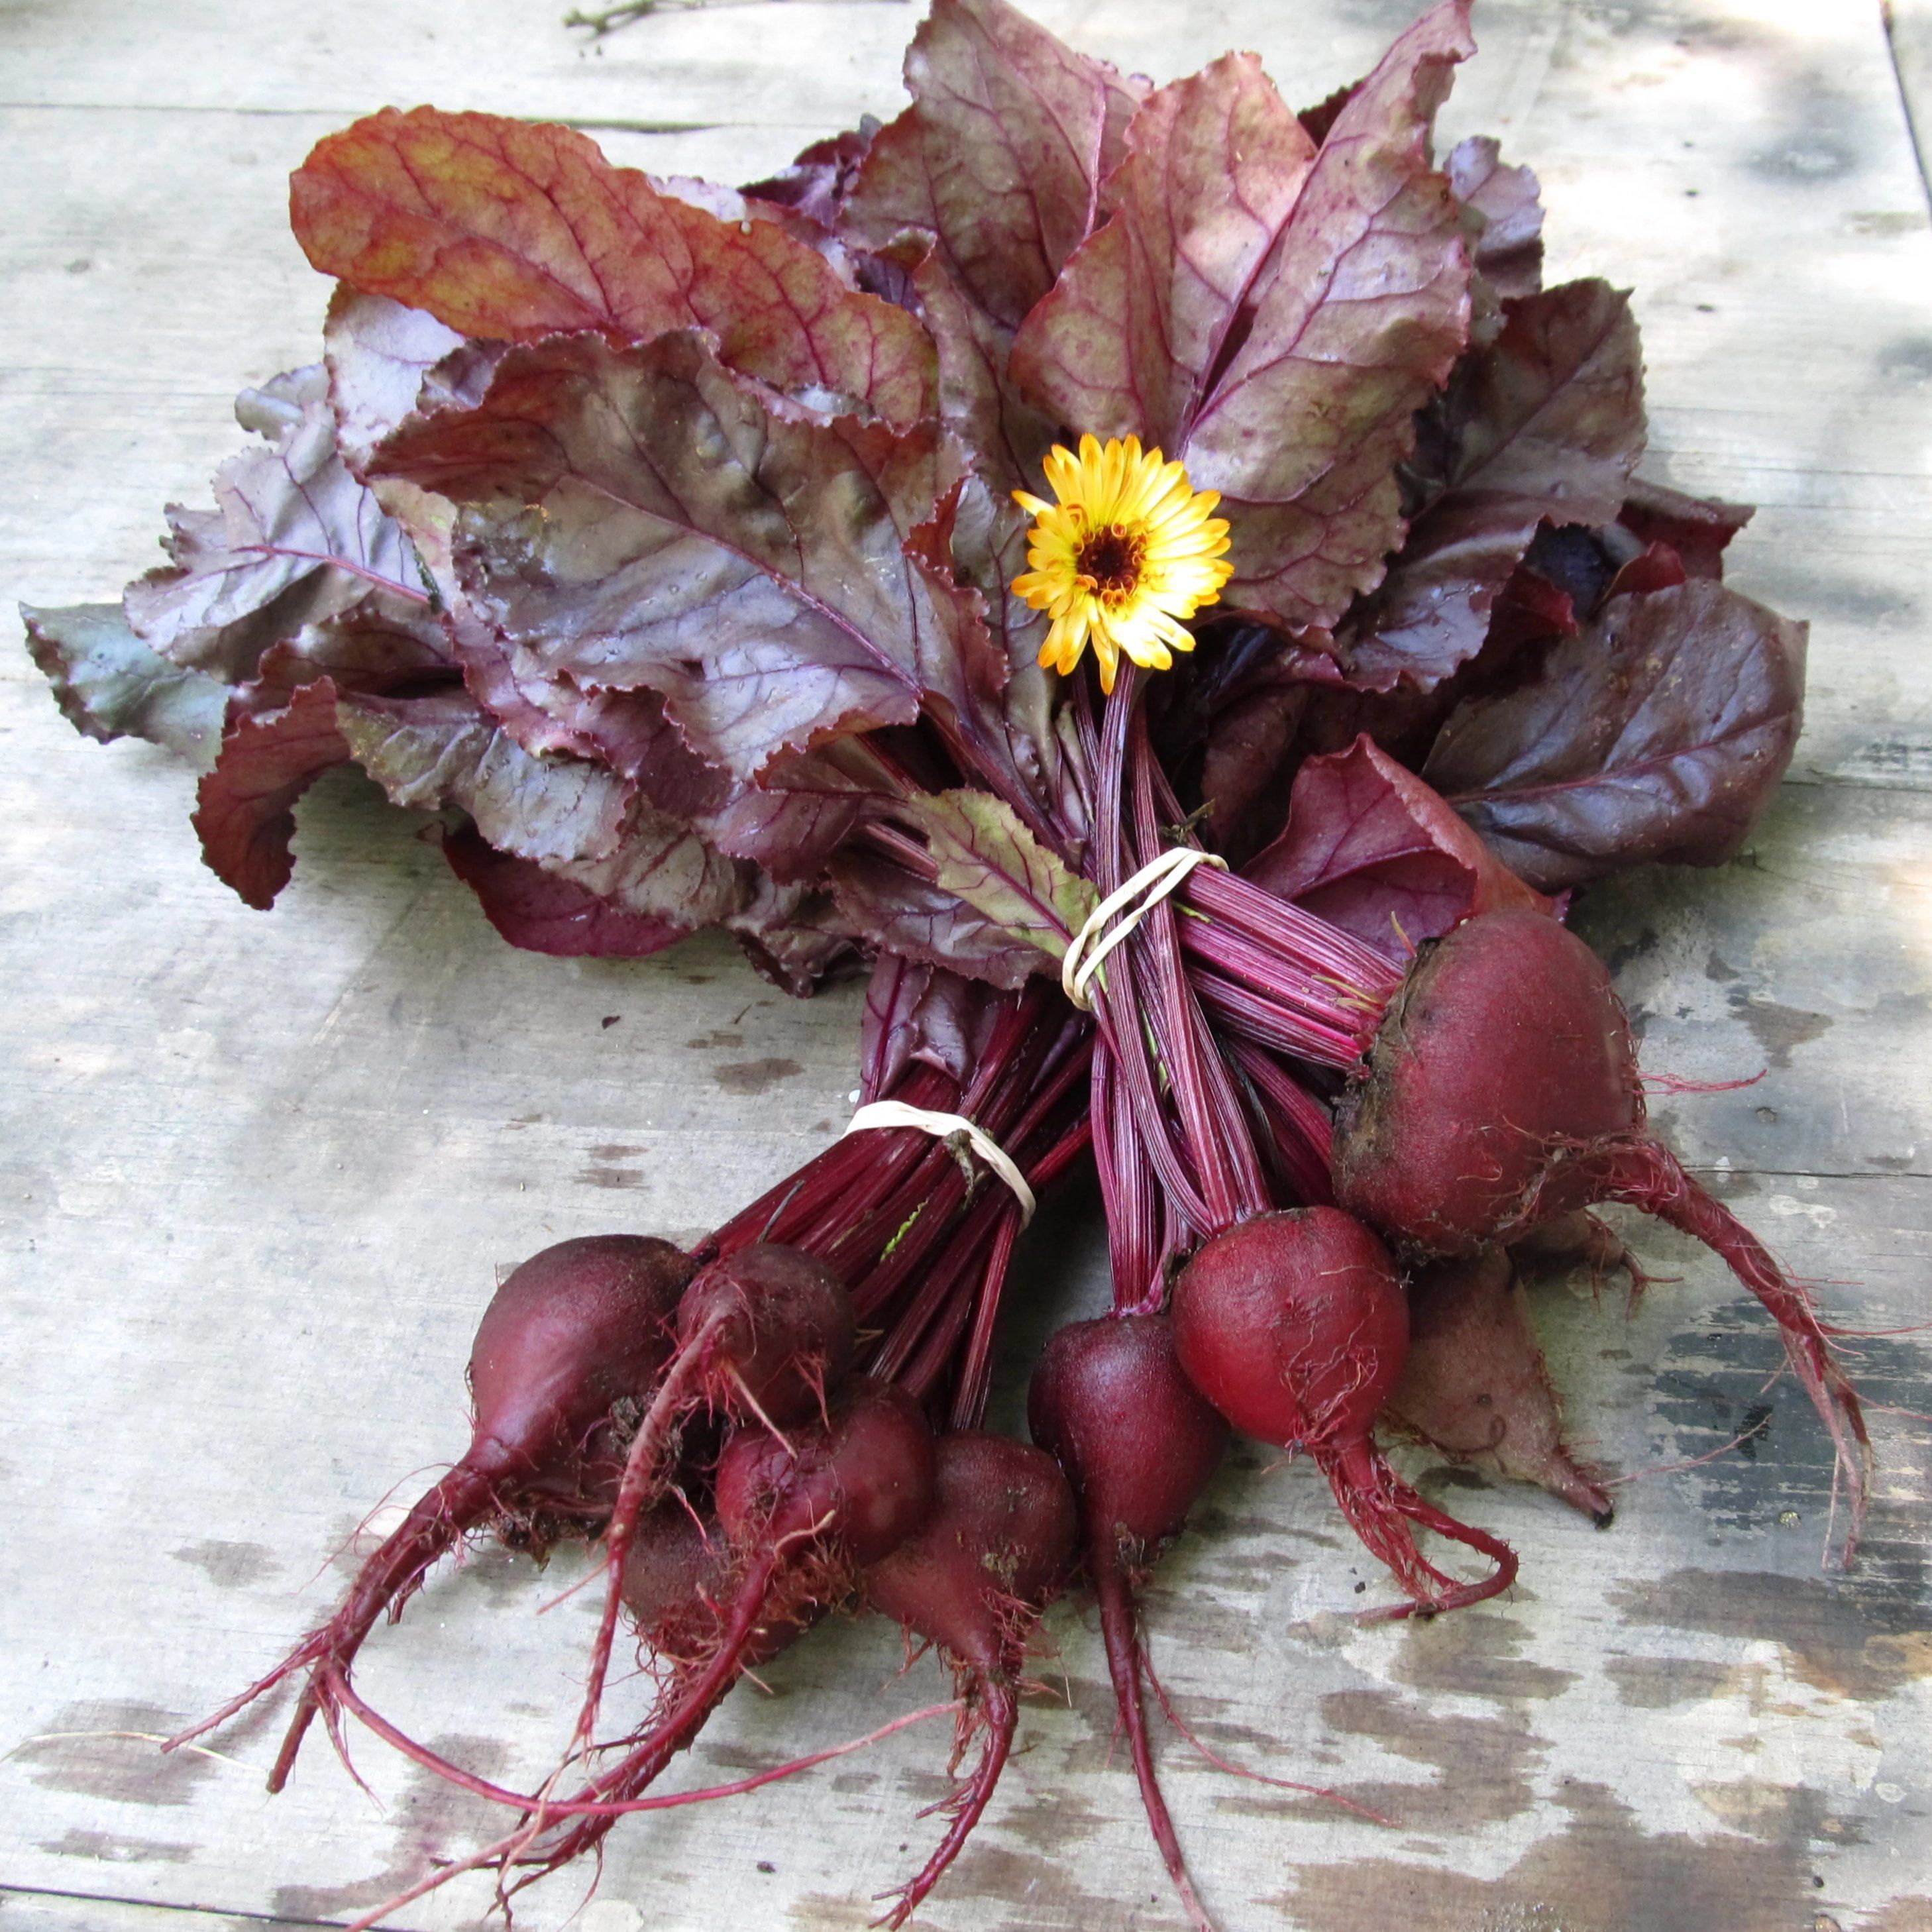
245,805
1475,1386
1544,425
1657,734
1000,156
1508,251
1373,851
295,538
751,572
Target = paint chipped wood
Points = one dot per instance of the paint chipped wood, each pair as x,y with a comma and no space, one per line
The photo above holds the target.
260,1174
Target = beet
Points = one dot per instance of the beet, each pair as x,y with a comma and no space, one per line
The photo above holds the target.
1138,1444
857,1484
1295,1327
1579,1238
1002,1533
771,1330
802,1516
1502,1091
677,1572
576,1330
1475,1386
766,1332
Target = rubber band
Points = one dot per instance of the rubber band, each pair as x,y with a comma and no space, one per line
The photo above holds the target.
1151,885
946,1127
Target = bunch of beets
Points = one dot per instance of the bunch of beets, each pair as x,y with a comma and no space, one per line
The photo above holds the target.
660,538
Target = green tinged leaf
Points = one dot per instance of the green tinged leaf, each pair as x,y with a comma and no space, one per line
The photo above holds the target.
109,685
988,859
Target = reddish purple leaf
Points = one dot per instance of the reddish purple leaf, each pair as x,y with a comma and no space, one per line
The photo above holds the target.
427,753
792,821
1544,425
1016,728
1656,567
985,691
296,539
1698,529
899,912
1247,744
1508,250
1371,848
1143,316
109,685
380,647
638,518
1475,1385
1000,156
981,190
815,184
512,231
916,1012
380,354
794,936
244,807
542,912
547,712
1273,323
1530,607
1365,308
1656,734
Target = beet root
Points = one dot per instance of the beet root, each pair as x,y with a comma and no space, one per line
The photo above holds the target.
765,1333
574,1331
1475,1386
1502,1091
973,1579
1138,1444
801,1517
1295,1327
804,1515
1579,1239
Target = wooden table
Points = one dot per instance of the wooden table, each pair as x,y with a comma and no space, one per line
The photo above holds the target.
259,1174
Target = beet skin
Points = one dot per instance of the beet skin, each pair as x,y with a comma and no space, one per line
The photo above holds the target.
1501,1092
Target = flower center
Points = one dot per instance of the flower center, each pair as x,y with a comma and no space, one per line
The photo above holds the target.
1109,563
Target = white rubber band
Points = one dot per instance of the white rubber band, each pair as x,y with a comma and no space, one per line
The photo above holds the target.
1150,885
945,1127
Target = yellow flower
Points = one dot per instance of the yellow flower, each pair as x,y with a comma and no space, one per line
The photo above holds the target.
1128,552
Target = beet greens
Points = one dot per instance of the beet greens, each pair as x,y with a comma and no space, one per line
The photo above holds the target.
660,540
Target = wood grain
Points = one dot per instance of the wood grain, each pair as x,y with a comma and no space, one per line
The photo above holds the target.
258,1174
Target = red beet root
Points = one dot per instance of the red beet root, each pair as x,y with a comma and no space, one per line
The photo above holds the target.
1475,1386
765,1334
802,1516
576,1330
677,1572
1138,1444
1002,1533
772,1325
855,1486
1295,1327
1502,1091
1578,1239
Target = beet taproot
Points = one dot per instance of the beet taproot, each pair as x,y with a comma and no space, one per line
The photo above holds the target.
577,1330
1295,1327
973,1579
1501,1091
1138,1443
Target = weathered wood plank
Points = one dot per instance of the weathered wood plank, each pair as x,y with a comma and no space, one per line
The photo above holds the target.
256,1175
56,1911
